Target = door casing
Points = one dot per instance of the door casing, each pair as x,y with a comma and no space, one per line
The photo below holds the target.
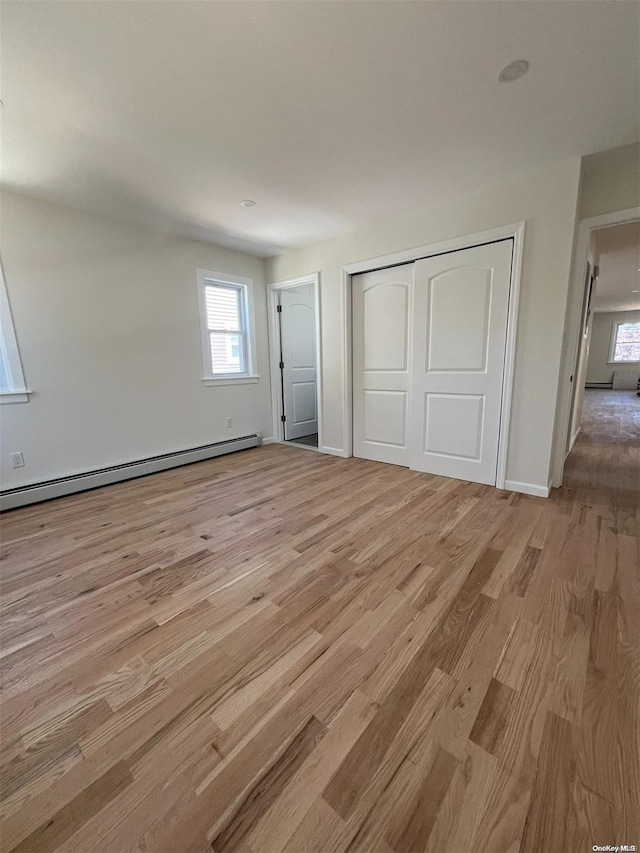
516,232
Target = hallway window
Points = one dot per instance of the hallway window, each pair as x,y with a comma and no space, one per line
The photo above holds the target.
625,343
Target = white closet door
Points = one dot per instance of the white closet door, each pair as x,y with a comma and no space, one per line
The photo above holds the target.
381,364
460,326
299,378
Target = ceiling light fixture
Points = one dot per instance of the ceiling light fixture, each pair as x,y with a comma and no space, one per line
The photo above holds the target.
635,291
513,71
248,202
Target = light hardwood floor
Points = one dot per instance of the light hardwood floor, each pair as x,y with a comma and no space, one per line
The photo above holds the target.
285,651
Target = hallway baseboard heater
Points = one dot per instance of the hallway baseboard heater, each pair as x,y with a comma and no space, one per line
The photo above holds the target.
36,492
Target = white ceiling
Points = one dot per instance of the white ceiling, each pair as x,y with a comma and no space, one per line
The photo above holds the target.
617,250
328,114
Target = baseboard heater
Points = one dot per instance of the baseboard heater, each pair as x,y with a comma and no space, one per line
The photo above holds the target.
598,385
36,492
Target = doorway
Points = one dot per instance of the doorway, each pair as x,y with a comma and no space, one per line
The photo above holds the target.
602,360
294,327
429,343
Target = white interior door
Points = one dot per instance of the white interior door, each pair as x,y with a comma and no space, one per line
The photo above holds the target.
299,377
381,363
460,326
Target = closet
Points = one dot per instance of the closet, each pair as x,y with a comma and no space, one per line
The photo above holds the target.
429,342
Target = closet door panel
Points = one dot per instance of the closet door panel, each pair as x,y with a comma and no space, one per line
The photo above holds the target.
459,338
382,339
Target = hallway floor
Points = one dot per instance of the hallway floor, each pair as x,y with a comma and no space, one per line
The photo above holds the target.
606,455
279,650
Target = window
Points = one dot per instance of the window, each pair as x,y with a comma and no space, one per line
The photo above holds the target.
625,343
226,328
12,387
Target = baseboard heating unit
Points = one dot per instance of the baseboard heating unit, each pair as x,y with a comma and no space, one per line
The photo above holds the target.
23,495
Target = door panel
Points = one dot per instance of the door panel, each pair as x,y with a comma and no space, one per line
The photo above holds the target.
385,417
304,402
448,325
467,412
386,330
298,339
381,364
459,339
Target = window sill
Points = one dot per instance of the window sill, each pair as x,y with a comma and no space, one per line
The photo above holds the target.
14,397
622,363
231,380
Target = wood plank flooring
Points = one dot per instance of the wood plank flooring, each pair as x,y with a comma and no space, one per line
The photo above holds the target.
285,651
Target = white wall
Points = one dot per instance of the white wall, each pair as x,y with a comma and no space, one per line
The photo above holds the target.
106,317
547,200
610,181
598,369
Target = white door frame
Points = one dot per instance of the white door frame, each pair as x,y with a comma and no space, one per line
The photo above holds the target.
573,316
506,232
275,350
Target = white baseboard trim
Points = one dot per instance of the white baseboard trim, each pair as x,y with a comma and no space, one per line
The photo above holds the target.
333,451
527,488
24,495
270,440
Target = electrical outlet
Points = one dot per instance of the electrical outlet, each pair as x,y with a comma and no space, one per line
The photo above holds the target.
229,423
17,460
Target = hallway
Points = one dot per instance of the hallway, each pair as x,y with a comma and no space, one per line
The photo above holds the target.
606,456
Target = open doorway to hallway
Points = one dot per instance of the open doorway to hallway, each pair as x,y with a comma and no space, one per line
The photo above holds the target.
295,363
605,405
298,368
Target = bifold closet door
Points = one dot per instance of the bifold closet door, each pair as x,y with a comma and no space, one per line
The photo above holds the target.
381,363
461,305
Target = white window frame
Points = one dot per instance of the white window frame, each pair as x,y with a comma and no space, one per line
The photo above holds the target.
16,390
614,339
249,375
